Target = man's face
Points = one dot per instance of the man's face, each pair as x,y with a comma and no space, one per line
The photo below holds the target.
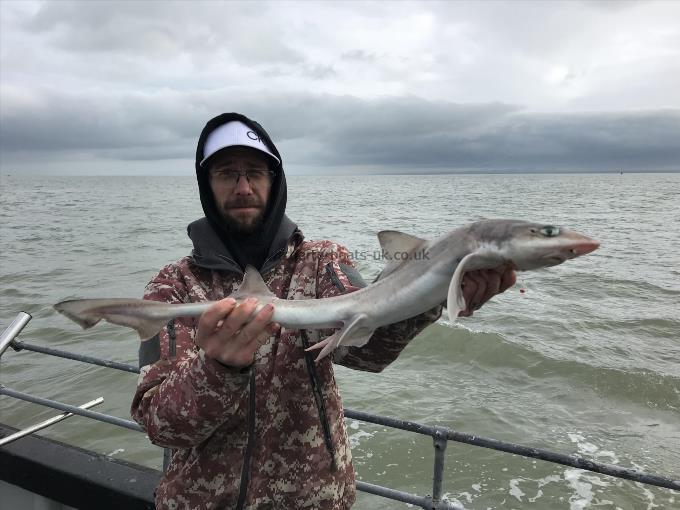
241,200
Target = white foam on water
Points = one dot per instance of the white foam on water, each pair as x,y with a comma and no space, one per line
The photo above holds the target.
582,444
538,495
645,490
356,438
582,481
515,491
467,496
648,494
584,491
585,447
542,482
450,499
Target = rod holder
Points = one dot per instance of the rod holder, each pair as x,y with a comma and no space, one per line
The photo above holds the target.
47,423
13,330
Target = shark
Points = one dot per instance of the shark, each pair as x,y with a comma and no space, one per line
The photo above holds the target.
418,276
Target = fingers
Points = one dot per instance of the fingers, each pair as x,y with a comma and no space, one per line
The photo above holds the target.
211,318
238,319
493,285
259,329
474,290
508,279
480,286
232,333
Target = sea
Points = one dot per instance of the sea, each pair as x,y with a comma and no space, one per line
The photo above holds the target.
582,358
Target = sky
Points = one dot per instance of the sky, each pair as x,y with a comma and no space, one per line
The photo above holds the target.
121,88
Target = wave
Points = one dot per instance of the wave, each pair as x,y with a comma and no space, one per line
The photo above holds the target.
493,352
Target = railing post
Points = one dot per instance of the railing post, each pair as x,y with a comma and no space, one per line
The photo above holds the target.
440,441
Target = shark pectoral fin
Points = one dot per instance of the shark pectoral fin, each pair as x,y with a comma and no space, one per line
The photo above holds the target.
455,302
252,285
354,333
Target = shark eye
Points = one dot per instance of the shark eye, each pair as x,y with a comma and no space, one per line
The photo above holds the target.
550,231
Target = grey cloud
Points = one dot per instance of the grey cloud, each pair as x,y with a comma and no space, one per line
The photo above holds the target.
359,55
59,121
611,5
497,139
306,70
319,71
390,135
156,30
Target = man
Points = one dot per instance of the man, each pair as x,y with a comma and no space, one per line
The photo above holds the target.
252,421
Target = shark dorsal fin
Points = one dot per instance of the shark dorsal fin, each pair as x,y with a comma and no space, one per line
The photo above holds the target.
252,285
396,245
393,241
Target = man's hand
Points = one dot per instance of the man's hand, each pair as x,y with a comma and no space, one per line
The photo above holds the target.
480,286
227,333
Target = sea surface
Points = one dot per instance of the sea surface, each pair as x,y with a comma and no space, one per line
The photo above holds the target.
586,360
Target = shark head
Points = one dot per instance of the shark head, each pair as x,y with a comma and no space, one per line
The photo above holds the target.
535,245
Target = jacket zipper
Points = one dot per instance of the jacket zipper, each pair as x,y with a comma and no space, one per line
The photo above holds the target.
172,337
245,470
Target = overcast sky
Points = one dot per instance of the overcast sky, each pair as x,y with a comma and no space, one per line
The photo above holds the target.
125,87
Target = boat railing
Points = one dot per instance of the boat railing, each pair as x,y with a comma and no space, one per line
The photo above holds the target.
440,435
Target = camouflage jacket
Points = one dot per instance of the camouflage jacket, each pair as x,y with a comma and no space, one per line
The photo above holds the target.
273,435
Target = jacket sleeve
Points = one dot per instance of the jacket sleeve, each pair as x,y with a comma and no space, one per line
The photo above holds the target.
182,396
337,275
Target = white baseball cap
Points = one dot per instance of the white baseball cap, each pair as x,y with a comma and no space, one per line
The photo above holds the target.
231,134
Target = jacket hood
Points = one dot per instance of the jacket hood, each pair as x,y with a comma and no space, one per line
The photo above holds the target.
210,252
257,247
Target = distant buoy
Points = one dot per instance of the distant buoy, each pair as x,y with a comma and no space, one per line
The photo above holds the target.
522,291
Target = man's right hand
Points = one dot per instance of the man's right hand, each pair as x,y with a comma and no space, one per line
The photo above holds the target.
227,333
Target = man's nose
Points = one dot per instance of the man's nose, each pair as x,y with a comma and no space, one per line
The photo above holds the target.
242,186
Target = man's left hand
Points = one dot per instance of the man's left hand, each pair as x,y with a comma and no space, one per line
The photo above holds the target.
481,285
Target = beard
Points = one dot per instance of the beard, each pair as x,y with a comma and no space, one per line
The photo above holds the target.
242,223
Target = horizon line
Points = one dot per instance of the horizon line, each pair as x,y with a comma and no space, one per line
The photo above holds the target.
351,174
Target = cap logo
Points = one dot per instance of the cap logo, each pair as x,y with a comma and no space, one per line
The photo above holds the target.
234,133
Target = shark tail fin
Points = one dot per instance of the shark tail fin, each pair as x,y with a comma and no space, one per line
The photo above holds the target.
145,317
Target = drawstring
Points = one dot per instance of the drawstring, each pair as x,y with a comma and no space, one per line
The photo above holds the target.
318,398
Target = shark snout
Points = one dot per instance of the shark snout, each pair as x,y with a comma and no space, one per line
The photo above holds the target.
584,247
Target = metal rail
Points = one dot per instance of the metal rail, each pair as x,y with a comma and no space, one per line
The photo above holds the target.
18,345
440,435
46,423
113,420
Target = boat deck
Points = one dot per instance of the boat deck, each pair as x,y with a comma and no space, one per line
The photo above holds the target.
42,473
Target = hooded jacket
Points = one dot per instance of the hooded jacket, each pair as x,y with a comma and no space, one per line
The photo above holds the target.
272,435
267,241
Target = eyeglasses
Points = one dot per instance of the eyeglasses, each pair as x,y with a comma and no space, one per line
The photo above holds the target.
230,177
